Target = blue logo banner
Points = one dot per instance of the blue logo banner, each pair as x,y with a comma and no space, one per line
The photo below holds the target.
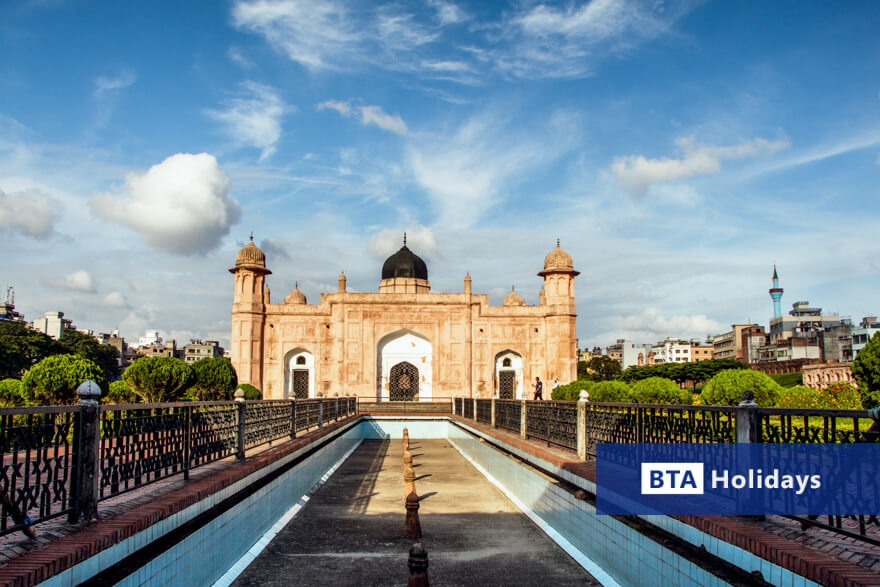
738,479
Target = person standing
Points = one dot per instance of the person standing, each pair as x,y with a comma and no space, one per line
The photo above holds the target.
539,387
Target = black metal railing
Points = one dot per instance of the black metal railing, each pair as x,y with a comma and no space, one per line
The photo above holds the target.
136,444
468,411
508,414
554,422
484,411
777,425
459,405
37,460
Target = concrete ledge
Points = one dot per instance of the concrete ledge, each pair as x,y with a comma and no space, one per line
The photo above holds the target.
129,531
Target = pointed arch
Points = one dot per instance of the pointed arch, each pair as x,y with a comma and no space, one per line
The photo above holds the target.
404,346
299,373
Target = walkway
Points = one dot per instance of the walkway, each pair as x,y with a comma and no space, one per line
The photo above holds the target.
351,531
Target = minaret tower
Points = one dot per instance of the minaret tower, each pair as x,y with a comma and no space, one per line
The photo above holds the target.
558,301
248,313
776,294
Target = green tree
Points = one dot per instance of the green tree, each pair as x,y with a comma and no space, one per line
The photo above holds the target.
120,393
572,391
659,390
103,355
215,379
603,368
611,391
866,370
726,387
250,392
53,381
21,348
583,371
10,393
159,379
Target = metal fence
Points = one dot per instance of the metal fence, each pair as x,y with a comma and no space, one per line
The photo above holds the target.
508,414
468,408
484,411
135,444
554,422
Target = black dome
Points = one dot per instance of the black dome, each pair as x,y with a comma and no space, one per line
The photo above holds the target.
404,263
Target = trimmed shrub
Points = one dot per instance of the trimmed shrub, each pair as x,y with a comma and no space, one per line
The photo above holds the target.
250,392
842,396
159,379
10,393
53,381
659,390
800,397
572,391
120,393
725,388
611,391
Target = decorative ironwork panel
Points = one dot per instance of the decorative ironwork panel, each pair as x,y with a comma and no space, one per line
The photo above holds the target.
507,384
140,445
468,408
266,421
459,405
484,411
214,432
301,383
508,414
553,421
330,414
35,471
779,425
403,384
307,413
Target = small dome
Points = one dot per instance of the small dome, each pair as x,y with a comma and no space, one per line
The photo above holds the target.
513,299
295,296
404,263
558,260
250,255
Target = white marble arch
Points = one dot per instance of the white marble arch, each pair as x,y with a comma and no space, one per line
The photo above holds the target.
298,358
400,346
509,360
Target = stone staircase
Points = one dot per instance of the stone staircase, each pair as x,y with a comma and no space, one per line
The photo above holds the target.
416,408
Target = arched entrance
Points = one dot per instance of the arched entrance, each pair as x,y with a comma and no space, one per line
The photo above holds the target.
299,374
508,375
405,361
403,382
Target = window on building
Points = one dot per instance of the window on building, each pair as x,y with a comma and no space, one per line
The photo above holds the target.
300,360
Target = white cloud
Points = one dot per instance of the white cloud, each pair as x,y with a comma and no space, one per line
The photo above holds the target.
238,57
369,115
180,206
108,84
448,13
650,322
30,212
114,300
637,173
319,34
253,119
78,281
420,239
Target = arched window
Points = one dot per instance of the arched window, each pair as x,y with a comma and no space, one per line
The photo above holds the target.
506,362
300,360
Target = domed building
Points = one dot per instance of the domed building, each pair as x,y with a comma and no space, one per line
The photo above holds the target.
403,342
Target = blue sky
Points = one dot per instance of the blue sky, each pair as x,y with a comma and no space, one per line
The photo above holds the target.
677,150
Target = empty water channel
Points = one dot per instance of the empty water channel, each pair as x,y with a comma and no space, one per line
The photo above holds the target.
491,514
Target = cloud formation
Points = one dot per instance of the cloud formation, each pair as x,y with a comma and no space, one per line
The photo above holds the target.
650,323
114,300
180,206
528,40
108,84
254,117
638,173
420,239
369,115
77,281
30,212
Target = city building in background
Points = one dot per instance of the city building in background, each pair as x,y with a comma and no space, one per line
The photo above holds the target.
53,324
201,349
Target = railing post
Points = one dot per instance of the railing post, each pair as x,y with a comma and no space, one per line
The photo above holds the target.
239,444
292,418
748,426
337,409
453,405
320,413
87,461
492,419
187,442
522,420
475,408
582,428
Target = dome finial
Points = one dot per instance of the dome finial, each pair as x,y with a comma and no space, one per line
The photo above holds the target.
404,238
557,242
296,285
252,236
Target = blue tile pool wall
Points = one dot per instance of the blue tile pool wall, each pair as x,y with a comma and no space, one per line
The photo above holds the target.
625,554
